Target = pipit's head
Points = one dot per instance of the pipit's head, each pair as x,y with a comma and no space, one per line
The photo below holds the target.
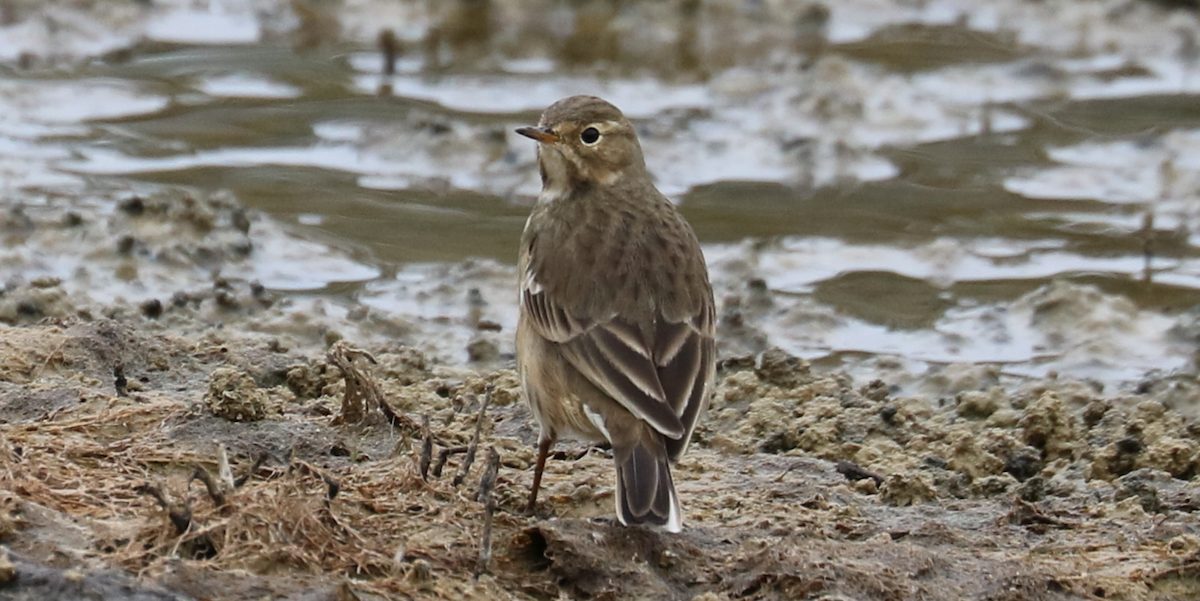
585,141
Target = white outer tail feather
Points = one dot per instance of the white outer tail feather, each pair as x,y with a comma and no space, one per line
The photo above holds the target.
674,523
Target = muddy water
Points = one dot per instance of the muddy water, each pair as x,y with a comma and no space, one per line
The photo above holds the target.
897,188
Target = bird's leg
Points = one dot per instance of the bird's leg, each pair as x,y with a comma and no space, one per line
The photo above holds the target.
544,444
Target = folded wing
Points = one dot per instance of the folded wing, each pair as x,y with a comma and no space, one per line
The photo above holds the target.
661,375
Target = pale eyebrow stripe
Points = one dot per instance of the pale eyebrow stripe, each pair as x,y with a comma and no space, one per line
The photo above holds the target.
606,126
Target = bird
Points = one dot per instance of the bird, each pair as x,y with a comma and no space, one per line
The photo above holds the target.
616,335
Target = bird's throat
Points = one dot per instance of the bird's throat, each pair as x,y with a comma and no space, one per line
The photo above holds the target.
557,175
566,175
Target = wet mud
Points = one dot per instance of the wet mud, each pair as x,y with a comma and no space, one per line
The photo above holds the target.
799,485
221,384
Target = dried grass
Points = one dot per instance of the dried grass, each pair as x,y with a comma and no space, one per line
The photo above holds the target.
91,461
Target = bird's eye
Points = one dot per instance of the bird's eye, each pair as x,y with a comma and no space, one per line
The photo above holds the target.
590,136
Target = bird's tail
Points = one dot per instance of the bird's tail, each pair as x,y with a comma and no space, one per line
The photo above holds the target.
645,491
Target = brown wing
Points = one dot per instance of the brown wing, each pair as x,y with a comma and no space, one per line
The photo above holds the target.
661,376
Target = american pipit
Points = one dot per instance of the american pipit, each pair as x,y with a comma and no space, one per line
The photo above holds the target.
615,340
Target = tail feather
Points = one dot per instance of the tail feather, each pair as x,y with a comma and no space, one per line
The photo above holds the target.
645,491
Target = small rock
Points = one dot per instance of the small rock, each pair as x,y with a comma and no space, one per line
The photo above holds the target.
152,308
978,405
582,493
1032,490
8,570
420,574
906,489
888,414
11,515
233,395
1184,544
993,486
1023,464
866,486
782,369
968,458
46,281
133,206
482,350
312,381
876,390
1049,426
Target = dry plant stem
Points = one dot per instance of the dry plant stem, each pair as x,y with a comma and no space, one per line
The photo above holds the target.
1177,570
362,392
1027,513
216,488
119,380
443,456
395,419
426,447
57,352
346,593
486,484
474,444
390,48
332,485
224,471
855,472
258,463
1192,562
179,514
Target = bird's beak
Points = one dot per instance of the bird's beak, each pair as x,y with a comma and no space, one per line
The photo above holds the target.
541,134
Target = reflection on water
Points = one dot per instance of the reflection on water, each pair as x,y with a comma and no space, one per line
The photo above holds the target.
925,183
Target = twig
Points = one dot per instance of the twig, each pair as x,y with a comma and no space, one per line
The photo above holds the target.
426,447
217,490
486,485
179,513
855,472
474,444
1190,563
119,381
38,372
1026,513
258,463
222,485
443,456
488,481
332,485
390,47
361,393
224,472
395,419
1175,570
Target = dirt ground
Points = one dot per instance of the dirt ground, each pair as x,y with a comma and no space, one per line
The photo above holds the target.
798,487
220,442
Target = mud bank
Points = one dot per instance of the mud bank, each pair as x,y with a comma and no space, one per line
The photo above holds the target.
799,486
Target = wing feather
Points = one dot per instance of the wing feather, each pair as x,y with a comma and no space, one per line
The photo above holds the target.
663,383
661,371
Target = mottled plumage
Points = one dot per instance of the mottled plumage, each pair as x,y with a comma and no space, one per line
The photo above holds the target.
615,340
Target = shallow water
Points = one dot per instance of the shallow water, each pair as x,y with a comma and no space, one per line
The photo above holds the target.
893,187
